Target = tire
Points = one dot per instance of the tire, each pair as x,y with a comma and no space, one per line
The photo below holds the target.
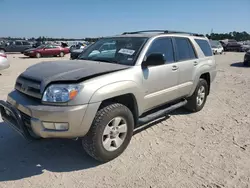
2,51
245,63
38,55
33,135
193,104
94,142
61,54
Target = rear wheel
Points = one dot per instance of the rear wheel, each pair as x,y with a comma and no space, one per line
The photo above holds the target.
197,101
110,133
38,55
61,54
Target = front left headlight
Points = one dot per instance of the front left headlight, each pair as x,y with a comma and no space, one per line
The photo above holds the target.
60,93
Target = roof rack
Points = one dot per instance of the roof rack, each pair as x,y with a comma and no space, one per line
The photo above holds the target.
164,31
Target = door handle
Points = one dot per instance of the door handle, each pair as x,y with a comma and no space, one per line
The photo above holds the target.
174,67
195,63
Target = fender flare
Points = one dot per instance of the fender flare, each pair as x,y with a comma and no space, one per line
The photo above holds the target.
118,89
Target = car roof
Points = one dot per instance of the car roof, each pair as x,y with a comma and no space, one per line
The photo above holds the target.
152,33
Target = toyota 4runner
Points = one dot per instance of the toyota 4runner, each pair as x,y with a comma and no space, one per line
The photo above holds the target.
104,94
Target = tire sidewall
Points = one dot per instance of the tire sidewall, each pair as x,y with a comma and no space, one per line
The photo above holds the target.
100,123
202,82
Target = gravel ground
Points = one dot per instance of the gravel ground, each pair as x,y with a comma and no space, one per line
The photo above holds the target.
208,149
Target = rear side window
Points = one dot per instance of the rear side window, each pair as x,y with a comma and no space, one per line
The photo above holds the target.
185,50
26,43
163,46
205,47
18,43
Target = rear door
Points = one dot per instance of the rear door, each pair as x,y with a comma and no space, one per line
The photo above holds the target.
26,45
161,82
187,63
18,46
51,50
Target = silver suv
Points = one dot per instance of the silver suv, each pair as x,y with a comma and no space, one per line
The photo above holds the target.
107,92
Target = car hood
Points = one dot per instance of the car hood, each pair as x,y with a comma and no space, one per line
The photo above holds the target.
30,49
68,71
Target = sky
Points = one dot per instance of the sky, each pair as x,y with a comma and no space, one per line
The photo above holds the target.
95,18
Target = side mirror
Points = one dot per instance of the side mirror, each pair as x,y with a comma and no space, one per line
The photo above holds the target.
154,59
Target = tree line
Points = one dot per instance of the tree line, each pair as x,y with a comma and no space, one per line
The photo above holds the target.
238,36
42,39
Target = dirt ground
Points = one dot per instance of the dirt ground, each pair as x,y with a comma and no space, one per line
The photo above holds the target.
208,149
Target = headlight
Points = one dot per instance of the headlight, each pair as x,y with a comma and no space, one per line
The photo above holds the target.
60,93
30,52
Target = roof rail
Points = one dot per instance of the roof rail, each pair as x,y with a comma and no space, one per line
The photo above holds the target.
164,31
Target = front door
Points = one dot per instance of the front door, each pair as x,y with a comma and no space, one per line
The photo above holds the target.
161,82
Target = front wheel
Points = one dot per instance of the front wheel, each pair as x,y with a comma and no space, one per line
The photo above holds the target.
197,101
245,63
110,133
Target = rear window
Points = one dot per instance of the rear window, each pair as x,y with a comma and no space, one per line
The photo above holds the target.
205,47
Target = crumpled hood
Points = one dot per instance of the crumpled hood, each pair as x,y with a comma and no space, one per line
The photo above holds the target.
68,71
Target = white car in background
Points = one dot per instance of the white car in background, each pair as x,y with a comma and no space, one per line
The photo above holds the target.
4,63
216,47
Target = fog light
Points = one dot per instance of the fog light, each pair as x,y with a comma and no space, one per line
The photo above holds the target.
62,126
48,125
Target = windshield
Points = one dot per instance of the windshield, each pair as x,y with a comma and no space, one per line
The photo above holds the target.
122,50
215,44
40,47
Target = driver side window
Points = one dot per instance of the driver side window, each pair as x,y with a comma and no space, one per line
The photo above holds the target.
163,46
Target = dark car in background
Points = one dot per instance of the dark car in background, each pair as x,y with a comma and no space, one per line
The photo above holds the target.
231,45
247,59
74,53
15,46
46,50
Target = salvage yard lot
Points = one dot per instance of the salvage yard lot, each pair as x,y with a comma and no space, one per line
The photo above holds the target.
210,148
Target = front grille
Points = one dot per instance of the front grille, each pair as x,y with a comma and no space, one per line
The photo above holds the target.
29,87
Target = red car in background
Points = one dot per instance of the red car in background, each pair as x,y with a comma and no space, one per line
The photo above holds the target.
46,50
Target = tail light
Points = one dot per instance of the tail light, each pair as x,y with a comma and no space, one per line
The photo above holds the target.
3,55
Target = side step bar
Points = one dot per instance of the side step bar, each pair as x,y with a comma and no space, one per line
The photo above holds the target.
161,113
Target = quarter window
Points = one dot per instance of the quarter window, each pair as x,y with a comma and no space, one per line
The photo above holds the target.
163,46
185,50
205,47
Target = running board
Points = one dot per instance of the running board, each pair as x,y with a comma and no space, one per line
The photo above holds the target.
161,113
